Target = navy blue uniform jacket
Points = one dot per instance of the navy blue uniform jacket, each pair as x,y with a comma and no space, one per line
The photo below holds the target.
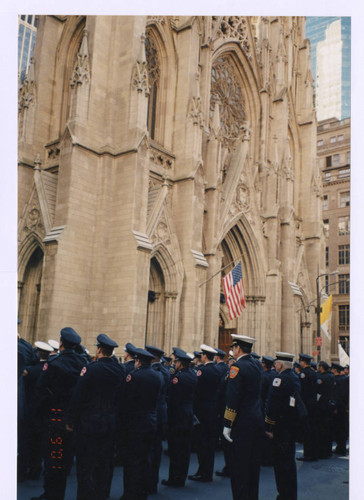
180,399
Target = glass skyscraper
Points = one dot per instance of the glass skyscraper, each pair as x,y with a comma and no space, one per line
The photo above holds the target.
321,39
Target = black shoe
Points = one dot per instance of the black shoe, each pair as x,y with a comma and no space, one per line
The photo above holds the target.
222,473
175,484
201,479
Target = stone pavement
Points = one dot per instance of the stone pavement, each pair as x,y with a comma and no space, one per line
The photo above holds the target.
316,480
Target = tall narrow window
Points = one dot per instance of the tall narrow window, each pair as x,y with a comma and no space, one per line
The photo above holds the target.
344,225
153,67
327,256
345,199
328,161
325,202
344,254
336,160
344,283
344,316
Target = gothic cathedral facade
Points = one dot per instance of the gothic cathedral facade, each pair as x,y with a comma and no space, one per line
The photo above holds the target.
155,151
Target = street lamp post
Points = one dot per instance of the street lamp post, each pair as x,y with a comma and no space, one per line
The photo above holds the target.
318,310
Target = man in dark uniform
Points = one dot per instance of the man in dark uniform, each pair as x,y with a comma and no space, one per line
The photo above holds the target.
55,387
222,368
268,376
35,427
341,412
92,414
205,407
129,363
243,422
181,390
140,400
280,421
197,361
156,452
325,396
309,395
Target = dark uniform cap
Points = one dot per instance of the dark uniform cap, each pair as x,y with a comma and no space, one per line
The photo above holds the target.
167,359
305,357
180,354
130,348
143,355
337,366
220,352
314,365
19,321
197,354
255,355
104,341
157,353
69,335
267,360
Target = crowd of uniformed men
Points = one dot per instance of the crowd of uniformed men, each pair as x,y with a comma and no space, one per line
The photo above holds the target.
107,413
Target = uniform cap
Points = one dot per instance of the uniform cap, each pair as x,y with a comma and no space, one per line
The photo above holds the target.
242,340
181,355
207,349
54,343
167,359
337,366
69,335
305,357
104,341
231,354
255,355
220,352
191,355
314,365
157,353
143,355
197,354
267,360
284,356
130,348
43,346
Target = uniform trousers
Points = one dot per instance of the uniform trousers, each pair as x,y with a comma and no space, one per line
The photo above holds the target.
94,461
139,441
340,431
206,441
324,428
310,441
179,446
155,458
245,459
283,451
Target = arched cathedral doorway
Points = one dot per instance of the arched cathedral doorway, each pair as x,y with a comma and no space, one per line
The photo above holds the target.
155,327
29,296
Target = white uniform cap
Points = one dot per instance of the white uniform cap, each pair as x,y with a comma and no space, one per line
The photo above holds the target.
192,356
243,338
206,348
231,354
54,343
284,356
43,346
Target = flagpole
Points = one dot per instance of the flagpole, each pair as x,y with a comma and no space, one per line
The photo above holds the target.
210,278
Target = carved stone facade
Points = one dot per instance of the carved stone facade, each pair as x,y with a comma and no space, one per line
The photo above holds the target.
169,148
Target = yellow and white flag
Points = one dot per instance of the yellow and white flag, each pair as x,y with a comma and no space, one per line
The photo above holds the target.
325,317
343,357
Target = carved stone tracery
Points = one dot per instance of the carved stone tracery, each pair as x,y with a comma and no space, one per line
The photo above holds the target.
235,27
153,64
226,90
81,69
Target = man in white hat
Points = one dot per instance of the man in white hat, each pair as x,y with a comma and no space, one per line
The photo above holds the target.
205,408
243,420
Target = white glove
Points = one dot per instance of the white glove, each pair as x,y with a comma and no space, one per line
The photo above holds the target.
226,433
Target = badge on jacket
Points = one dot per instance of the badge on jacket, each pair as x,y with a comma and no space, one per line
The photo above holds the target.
277,382
234,370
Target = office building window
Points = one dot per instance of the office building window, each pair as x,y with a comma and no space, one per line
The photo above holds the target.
320,143
326,227
325,202
344,254
345,342
344,225
345,199
327,256
327,285
344,316
328,161
336,160
345,172
327,176
348,157
332,139
340,137
344,283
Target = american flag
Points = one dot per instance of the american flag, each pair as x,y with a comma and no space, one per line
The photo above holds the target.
234,291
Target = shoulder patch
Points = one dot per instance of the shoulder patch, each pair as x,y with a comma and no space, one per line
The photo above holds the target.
45,367
199,373
277,382
83,371
234,370
128,378
175,380
303,375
